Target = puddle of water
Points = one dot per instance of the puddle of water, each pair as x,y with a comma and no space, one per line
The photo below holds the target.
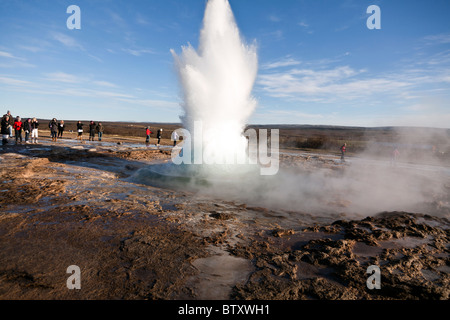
430,275
430,223
307,271
299,239
445,269
406,242
363,250
218,274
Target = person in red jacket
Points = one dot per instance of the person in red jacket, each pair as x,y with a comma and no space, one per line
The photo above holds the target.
148,133
343,150
18,129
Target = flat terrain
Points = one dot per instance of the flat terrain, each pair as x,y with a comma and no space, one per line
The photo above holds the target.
85,204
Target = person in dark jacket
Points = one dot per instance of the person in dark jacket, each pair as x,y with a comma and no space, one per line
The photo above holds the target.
11,123
4,126
61,127
91,131
27,130
159,136
80,131
53,125
99,131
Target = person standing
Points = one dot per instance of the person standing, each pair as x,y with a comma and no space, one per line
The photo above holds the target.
34,130
394,156
159,136
53,125
80,131
27,130
61,127
11,123
100,131
343,151
91,131
4,126
18,129
148,133
175,138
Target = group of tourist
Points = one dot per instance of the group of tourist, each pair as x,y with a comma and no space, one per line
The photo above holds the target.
14,127
29,127
93,130
148,132
56,129
158,136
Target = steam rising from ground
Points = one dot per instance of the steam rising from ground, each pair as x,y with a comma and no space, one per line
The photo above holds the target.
363,188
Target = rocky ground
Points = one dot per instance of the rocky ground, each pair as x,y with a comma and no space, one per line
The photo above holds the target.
64,204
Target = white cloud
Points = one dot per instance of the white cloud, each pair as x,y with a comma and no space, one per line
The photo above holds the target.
5,54
344,84
303,24
274,18
33,49
287,62
105,84
13,81
12,61
160,104
63,77
67,40
138,52
442,38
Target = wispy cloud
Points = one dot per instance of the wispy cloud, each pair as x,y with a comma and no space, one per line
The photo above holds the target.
141,20
138,52
12,61
33,49
160,104
63,77
303,24
67,41
105,84
13,81
306,27
9,55
274,18
276,35
442,38
286,62
117,19
330,85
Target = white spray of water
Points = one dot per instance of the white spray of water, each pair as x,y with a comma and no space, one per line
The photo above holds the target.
217,81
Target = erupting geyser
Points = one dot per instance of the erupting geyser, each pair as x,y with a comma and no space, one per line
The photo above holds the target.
217,81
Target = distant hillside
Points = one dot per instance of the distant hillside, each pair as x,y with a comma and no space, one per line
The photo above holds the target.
302,136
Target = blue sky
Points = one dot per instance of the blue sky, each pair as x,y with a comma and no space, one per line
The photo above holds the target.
318,61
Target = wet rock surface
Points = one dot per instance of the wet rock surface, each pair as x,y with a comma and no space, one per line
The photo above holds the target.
411,250
64,205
